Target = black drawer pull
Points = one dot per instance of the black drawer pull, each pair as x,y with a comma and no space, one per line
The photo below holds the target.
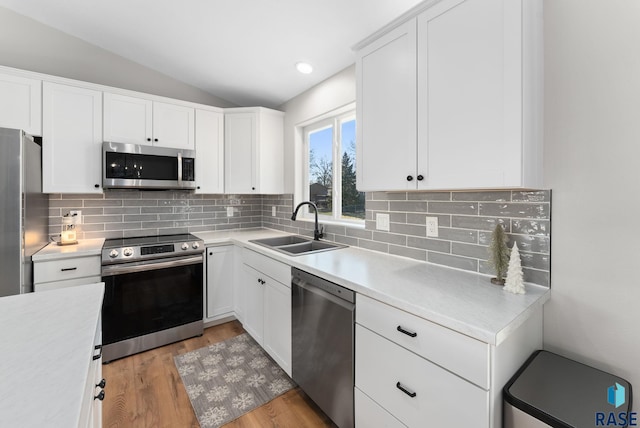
100,396
405,390
68,269
99,355
408,333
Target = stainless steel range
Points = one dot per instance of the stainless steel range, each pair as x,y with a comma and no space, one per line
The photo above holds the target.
153,292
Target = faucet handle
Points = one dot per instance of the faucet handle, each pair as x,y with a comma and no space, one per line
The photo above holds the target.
321,231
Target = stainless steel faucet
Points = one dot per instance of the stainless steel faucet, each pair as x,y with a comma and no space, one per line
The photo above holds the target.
318,231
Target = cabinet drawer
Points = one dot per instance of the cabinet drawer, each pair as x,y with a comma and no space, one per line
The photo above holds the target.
60,270
275,269
55,285
439,397
370,414
456,352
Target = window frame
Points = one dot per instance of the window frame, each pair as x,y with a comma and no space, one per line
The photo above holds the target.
334,119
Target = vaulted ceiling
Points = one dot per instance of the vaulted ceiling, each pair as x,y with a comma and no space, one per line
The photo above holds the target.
244,51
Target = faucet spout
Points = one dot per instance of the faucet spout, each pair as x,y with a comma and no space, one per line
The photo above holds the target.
317,232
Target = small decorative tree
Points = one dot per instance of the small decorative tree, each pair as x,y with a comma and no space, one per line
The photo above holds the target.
499,254
515,281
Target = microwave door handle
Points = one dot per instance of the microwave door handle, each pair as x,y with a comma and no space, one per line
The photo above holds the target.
179,169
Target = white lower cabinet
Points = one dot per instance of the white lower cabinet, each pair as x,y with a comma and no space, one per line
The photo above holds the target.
415,390
415,373
91,410
219,289
68,272
267,310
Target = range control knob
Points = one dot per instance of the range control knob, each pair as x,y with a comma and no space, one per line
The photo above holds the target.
195,246
185,246
127,252
113,254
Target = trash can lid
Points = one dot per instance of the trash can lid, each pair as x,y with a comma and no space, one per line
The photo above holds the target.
564,393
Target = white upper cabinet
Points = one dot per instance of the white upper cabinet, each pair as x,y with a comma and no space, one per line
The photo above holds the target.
478,97
136,120
386,111
71,139
21,103
254,157
173,126
128,119
209,151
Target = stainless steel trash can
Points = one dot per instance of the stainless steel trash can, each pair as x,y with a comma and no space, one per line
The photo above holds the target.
552,391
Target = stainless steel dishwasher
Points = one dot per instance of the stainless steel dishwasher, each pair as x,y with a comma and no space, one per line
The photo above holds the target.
323,316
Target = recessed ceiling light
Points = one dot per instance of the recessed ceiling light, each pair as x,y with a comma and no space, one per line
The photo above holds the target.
304,67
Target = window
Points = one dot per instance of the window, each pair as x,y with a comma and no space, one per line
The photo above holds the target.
330,168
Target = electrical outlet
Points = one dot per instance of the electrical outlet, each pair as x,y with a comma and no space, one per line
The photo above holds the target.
229,211
382,221
76,216
273,211
432,227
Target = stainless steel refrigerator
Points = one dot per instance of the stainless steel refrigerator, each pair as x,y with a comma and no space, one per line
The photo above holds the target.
24,210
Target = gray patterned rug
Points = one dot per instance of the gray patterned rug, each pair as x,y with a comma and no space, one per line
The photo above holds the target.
228,379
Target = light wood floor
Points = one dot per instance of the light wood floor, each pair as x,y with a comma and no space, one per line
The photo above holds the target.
145,390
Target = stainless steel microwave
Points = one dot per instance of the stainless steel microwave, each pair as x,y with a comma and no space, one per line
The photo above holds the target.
134,166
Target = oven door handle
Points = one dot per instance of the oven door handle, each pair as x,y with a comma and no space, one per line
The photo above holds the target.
125,268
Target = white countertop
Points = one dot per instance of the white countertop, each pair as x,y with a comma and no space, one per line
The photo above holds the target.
463,301
84,247
46,348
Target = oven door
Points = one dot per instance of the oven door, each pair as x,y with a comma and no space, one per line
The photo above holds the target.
150,296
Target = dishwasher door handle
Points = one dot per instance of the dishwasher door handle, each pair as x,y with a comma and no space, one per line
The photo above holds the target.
304,285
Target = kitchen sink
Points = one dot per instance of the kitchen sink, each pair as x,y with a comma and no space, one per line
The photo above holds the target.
295,245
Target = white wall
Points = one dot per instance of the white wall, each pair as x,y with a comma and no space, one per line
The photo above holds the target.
337,91
30,45
592,163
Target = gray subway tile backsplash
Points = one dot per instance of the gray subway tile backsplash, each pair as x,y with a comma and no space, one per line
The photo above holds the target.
465,220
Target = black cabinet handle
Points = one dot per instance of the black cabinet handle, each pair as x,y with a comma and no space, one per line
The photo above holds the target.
155,139
405,390
102,383
148,139
96,186
100,396
407,332
253,188
198,187
99,355
420,178
68,269
409,177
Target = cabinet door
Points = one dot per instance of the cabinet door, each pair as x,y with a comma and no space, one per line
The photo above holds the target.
277,323
239,286
219,281
470,94
386,113
21,104
173,126
71,139
210,152
240,149
127,119
254,307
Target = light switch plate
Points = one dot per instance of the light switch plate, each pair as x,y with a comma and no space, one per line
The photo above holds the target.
382,221
432,227
229,211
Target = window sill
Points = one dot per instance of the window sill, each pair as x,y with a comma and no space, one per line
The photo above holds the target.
332,222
